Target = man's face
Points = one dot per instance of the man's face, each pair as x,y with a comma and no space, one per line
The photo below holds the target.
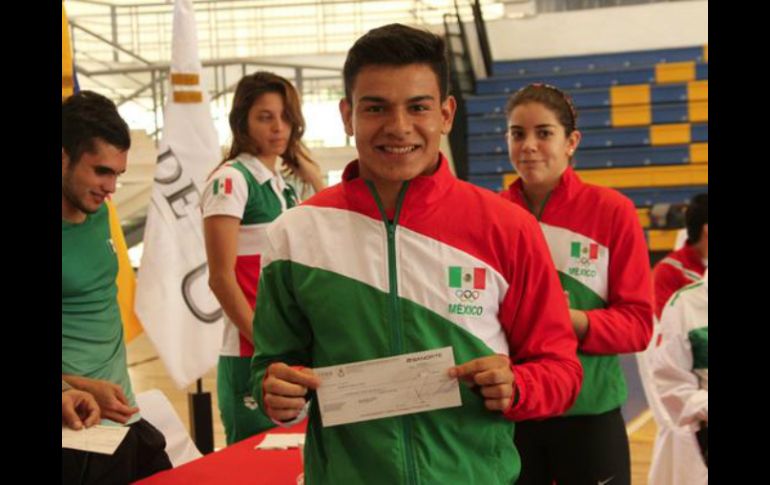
397,118
85,184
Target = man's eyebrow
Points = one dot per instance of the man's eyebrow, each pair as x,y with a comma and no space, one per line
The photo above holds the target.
378,99
425,97
104,168
372,99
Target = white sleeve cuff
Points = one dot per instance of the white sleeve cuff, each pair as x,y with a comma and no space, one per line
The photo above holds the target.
288,424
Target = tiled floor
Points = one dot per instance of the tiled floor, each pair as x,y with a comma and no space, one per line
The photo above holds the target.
147,372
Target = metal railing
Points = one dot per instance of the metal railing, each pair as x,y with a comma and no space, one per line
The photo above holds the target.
149,83
123,50
547,6
462,82
251,28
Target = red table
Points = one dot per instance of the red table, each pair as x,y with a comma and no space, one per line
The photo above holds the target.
238,464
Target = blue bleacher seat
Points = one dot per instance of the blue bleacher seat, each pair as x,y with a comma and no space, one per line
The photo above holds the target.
491,104
615,60
648,113
602,158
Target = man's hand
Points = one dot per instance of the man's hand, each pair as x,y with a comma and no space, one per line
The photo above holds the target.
78,408
579,323
285,388
113,403
493,374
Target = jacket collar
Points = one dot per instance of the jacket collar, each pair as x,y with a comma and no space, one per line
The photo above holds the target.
422,192
565,189
692,255
260,170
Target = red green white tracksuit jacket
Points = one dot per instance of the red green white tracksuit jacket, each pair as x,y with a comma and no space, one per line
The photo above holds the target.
598,247
453,265
678,269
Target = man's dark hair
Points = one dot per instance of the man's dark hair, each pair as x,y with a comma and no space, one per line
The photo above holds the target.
86,116
397,45
696,217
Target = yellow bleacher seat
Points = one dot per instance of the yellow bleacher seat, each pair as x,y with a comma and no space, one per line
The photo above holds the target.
670,134
675,72
661,239
631,115
698,111
699,153
630,95
636,177
660,176
644,216
698,90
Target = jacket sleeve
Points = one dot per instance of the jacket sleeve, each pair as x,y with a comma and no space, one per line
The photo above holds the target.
543,346
667,280
280,329
672,364
625,325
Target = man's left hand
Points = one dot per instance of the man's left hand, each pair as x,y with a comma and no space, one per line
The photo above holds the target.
494,376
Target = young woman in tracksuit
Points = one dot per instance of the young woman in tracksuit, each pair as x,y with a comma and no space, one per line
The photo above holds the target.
600,254
243,195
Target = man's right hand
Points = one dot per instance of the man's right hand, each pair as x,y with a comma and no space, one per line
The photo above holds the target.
109,396
78,409
285,389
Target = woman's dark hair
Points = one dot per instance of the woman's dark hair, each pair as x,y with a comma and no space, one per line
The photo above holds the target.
249,89
551,97
696,217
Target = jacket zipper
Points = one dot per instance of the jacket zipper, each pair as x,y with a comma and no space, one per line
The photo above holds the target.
397,343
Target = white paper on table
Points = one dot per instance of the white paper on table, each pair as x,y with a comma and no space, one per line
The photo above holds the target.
393,386
99,439
281,441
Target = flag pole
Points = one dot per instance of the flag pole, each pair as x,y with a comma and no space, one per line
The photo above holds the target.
201,422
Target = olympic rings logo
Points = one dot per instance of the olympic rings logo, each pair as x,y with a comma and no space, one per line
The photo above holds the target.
467,295
585,261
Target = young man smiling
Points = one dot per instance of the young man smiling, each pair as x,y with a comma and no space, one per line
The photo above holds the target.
403,257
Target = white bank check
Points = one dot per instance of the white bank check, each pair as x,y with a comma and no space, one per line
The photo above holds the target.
381,388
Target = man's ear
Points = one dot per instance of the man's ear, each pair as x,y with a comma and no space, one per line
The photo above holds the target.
65,161
346,111
448,110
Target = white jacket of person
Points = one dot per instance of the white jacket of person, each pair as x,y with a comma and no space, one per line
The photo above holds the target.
679,370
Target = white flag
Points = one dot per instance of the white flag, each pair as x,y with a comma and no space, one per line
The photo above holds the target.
173,301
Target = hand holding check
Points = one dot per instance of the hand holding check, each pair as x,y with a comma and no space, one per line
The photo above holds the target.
494,376
285,389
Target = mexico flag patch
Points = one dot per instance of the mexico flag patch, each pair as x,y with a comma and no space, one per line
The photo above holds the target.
475,278
588,250
223,186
